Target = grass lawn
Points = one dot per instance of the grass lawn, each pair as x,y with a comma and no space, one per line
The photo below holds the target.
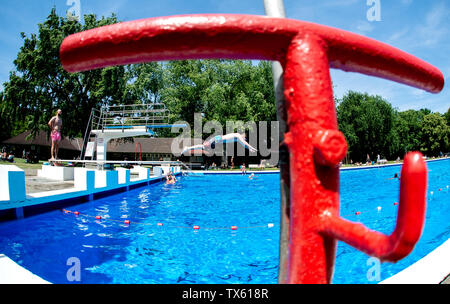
21,163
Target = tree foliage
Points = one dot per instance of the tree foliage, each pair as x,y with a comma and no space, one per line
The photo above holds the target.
447,117
221,89
367,122
39,85
435,134
372,127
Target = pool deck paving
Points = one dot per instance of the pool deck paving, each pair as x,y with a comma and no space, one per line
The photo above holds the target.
35,184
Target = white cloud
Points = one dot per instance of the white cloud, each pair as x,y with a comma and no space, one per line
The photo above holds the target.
435,28
407,2
398,35
337,3
363,27
113,8
417,92
426,33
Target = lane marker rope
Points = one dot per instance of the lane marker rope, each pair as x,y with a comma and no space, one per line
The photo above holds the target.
379,208
129,222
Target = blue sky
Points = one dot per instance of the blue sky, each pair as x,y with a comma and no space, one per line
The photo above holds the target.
419,27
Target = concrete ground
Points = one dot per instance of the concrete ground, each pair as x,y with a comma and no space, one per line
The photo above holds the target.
35,184
447,280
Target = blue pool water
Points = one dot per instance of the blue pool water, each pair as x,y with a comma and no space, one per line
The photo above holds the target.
143,252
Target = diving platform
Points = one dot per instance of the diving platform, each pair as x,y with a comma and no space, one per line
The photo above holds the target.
114,122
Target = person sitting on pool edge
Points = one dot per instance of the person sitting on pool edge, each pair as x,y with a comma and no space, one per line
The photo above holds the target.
243,169
209,145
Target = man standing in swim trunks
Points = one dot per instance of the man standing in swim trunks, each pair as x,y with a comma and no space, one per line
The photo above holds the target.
55,125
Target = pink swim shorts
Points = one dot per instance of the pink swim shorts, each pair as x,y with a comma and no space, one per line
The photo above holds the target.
56,136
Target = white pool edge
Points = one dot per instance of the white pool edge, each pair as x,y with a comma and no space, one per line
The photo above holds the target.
431,269
13,273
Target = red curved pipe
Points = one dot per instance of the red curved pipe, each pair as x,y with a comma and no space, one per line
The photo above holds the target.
238,37
307,51
412,209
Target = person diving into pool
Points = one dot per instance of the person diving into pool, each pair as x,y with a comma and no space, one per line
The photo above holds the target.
209,145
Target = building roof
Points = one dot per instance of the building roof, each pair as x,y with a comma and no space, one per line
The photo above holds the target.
149,145
43,139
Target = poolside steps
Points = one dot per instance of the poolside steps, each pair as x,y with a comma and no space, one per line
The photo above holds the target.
56,173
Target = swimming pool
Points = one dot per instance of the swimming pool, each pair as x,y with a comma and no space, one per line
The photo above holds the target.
144,252
365,191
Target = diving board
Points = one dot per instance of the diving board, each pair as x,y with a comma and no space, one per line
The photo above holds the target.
154,126
105,135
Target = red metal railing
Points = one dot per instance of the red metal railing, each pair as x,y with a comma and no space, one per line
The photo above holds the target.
306,52
140,151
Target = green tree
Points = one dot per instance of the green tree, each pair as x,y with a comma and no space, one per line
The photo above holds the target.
39,85
447,117
435,134
367,123
221,89
144,83
408,127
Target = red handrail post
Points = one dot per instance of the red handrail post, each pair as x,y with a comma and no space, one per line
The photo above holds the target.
140,151
316,147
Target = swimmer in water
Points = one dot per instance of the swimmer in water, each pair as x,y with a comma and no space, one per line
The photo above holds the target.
209,145
170,179
396,176
252,176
